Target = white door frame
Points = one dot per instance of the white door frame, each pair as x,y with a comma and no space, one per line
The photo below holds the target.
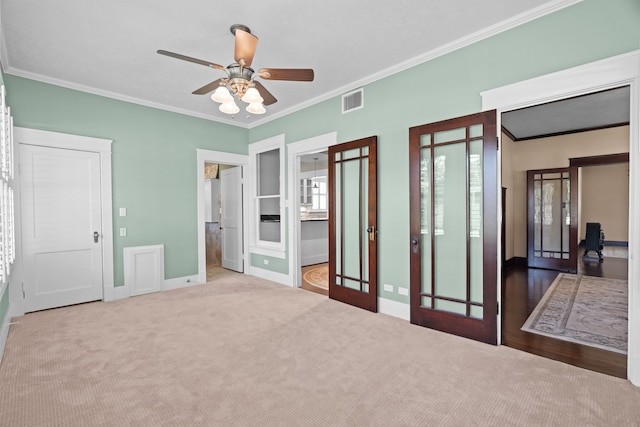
69,142
210,156
608,73
294,151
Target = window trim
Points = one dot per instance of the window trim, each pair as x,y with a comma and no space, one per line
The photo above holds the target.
257,246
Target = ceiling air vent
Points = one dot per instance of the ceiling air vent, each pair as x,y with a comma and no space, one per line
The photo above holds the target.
353,100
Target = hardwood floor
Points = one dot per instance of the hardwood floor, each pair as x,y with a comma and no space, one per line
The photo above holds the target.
522,289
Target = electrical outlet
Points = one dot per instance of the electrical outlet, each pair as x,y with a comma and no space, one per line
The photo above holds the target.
388,288
123,232
403,291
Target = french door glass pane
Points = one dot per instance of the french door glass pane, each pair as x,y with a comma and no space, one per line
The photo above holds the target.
425,221
351,220
450,208
338,219
364,202
475,225
552,215
566,216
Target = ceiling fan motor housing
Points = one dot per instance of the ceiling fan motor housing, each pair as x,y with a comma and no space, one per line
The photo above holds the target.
239,78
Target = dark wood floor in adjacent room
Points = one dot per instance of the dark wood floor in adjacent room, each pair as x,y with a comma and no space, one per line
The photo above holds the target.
522,290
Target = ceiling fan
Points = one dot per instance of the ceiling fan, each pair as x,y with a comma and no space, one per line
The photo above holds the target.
241,77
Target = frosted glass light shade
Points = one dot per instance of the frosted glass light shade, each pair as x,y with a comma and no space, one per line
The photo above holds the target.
222,95
256,108
229,107
252,96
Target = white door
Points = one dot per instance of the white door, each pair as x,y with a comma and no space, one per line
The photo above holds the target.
61,226
231,221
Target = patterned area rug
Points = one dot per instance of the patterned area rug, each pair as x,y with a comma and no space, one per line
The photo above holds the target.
585,310
318,276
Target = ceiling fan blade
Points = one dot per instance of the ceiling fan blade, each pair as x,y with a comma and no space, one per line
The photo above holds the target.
246,44
265,94
207,88
294,74
190,59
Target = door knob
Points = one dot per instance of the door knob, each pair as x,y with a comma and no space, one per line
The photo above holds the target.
96,236
414,244
372,233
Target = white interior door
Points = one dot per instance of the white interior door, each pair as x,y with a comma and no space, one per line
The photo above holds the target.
61,226
231,220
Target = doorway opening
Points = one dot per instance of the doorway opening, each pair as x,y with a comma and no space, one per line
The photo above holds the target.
222,210
596,152
306,160
221,219
313,207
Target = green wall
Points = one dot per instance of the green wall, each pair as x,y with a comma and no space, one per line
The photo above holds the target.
153,162
154,151
447,87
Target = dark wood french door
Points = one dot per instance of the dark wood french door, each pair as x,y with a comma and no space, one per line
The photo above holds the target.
353,230
454,226
552,219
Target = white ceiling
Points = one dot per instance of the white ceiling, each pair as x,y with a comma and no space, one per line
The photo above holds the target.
108,47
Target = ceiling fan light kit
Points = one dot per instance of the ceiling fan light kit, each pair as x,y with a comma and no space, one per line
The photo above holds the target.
240,76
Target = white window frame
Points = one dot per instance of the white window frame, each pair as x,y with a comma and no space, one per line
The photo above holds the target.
256,245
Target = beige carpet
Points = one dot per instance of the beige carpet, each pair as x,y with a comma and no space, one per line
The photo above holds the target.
246,352
585,310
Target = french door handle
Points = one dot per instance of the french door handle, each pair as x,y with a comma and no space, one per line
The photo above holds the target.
372,233
414,244
96,236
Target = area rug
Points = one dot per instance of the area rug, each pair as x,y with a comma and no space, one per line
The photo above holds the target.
585,310
318,276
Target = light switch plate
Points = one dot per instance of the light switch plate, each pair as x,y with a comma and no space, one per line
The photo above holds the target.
123,211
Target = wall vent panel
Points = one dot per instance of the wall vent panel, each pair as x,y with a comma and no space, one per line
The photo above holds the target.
353,100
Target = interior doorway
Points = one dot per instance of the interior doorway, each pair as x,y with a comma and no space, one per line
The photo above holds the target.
210,224
314,222
524,288
223,218
306,159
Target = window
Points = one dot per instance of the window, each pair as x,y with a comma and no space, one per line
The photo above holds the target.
7,229
267,189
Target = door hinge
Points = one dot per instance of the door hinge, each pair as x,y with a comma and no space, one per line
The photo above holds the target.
23,294
497,308
498,143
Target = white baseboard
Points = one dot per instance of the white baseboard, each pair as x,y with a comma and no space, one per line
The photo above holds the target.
180,282
283,279
121,292
394,308
4,333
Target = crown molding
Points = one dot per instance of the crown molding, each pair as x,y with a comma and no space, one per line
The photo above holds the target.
520,19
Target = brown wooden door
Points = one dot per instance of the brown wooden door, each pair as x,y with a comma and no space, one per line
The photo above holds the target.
454,226
552,219
353,223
